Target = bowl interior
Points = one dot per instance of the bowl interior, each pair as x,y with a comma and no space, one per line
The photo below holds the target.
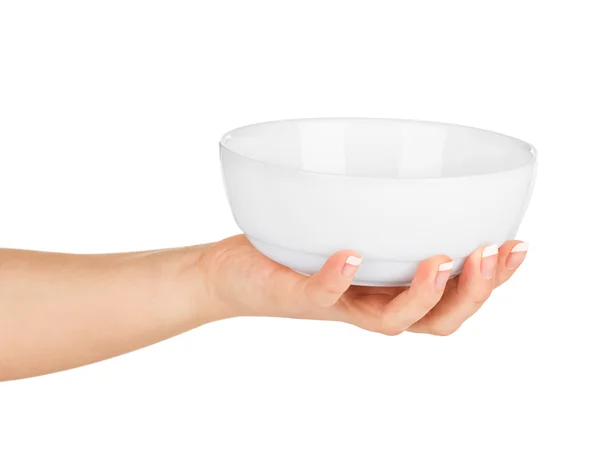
379,147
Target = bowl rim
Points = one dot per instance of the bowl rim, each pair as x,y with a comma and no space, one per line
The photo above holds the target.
531,162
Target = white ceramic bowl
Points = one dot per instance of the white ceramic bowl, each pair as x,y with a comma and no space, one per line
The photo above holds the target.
395,191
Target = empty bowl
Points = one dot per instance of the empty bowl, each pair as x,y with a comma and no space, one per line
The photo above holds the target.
395,191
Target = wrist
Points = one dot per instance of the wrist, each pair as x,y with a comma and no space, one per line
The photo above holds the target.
198,282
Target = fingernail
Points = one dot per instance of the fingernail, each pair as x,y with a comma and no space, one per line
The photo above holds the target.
444,272
516,256
351,266
489,260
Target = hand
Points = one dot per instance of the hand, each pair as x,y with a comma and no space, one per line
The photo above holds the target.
59,311
243,282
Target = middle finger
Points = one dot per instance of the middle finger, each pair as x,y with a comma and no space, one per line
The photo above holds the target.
474,286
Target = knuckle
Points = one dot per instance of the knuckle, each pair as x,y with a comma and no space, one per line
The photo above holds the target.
309,294
500,280
443,329
389,328
331,290
423,298
480,297
313,297
321,293
390,332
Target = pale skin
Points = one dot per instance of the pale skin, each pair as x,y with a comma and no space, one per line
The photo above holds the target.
59,311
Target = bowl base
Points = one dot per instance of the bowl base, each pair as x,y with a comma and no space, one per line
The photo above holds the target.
372,272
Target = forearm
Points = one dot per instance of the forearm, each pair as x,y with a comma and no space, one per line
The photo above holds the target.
59,311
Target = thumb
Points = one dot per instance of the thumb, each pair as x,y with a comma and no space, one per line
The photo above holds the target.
326,286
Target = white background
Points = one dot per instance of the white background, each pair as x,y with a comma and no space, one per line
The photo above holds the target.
110,116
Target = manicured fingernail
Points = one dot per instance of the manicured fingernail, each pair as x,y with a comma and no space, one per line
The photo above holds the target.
489,260
516,256
444,272
351,266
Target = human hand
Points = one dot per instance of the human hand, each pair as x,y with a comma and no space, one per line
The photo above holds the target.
59,311
243,282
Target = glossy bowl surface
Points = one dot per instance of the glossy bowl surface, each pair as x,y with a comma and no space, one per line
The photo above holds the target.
396,191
